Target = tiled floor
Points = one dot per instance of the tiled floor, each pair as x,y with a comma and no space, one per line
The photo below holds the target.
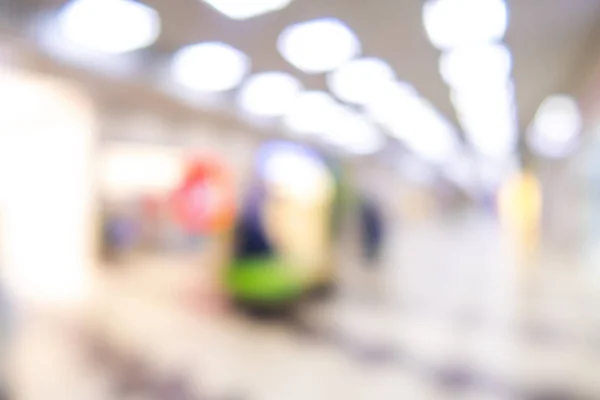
449,316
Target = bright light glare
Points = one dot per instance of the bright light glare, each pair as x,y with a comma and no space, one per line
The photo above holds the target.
269,94
317,113
478,66
209,67
109,26
392,102
353,132
500,98
456,23
556,127
432,137
492,132
310,113
244,9
360,80
415,122
318,45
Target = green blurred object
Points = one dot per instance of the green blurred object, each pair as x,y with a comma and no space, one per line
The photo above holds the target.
263,281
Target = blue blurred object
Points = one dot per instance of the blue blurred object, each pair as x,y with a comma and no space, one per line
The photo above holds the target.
372,228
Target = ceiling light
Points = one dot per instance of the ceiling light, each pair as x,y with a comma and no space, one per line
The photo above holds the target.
359,81
415,122
392,102
353,132
493,133
310,112
318,45
109,26
473,101
455,23
209,67
432,137
269,94
244,9
477,66
556,127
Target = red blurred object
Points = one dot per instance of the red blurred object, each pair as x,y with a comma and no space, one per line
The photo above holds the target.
205,201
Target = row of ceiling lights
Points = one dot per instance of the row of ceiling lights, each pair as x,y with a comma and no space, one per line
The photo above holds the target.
476,66
368,93
474,63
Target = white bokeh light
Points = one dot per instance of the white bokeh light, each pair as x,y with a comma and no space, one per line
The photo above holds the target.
499,97
353,132
415,122
318,45
109,26
392,102
245,9
456,23
310,113
556,128
209,67
359,81
492,132
478,66
269,94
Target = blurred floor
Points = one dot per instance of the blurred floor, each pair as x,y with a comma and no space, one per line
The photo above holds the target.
450,315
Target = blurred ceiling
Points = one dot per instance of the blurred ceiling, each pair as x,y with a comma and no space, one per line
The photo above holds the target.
552,41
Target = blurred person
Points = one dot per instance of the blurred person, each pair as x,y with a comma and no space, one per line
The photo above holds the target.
372,231
284,235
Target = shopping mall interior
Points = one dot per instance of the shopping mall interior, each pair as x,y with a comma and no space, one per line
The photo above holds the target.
299,199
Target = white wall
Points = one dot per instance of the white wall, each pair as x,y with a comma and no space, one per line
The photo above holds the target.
47,132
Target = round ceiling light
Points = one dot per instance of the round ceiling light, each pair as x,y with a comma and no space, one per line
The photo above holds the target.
456,23
311,112
209,67
269,94
354,133
359,81
240,10
318,45
109,26
556,127
477,66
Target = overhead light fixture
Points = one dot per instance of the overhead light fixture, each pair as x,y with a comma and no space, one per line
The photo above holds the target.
311,112
109,26
360,81
353,132
456,23
392,102
319,45
269,94
493,133
430,136
556,128
209,67
499,98
476,67
415,122
245,9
